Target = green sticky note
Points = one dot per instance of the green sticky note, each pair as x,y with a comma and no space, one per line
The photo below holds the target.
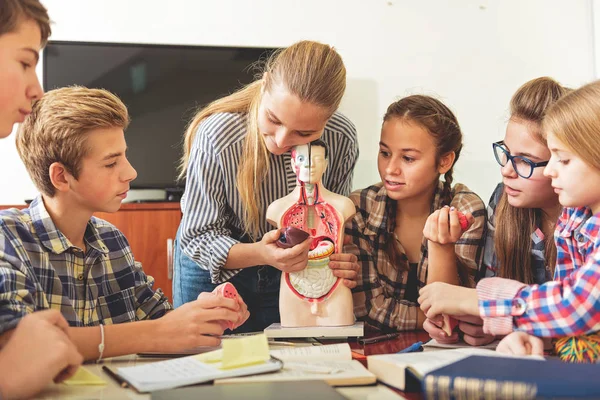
248,350
83,377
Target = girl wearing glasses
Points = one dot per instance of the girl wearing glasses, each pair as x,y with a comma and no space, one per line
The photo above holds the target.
522,211
569,306
420,141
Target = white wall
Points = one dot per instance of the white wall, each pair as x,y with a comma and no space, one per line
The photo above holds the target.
471,54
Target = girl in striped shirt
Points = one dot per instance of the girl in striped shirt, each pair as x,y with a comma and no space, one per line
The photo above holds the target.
237,162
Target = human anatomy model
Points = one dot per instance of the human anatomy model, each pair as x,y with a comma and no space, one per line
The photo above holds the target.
313,296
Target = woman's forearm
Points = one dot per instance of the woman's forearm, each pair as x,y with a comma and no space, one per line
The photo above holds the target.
244,255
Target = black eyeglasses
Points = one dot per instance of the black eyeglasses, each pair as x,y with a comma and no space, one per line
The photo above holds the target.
523,166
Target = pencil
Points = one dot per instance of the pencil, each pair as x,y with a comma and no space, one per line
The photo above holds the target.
280,343
115,376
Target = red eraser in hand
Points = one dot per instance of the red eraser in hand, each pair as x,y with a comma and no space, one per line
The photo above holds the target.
449,324
227,290
464,222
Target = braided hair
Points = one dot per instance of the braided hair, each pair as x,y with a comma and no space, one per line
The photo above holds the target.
442,125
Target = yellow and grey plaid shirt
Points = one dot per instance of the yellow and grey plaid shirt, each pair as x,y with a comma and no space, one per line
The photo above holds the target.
41,269
382,297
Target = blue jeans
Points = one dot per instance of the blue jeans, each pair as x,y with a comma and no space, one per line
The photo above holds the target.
258,286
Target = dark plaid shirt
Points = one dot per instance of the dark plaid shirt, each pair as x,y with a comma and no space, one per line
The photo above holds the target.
381,297
41,269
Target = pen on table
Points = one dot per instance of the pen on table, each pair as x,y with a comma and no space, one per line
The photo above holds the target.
377,339
413,348
281,343
115,376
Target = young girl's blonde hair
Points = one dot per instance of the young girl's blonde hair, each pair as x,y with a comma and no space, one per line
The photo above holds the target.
313,72
514,226
575,121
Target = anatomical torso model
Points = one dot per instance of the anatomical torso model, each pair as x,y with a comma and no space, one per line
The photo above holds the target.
313,296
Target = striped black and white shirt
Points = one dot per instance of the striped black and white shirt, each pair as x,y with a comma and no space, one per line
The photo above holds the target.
211,205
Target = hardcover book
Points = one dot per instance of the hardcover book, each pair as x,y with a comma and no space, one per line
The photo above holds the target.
480,377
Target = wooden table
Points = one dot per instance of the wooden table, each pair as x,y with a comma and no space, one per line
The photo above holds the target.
113,391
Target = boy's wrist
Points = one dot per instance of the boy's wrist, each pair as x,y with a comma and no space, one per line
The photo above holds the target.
153,333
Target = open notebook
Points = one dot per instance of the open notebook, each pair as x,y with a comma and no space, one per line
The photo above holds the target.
238,357
330,363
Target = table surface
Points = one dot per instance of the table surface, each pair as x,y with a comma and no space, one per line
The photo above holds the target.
113,391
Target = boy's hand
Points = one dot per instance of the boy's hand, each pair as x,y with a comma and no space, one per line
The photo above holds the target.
197,323
286,260
446,225
439,298
38,352
521,344
345,266
229,291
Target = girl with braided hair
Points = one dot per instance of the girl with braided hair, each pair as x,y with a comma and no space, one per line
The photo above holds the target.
406,232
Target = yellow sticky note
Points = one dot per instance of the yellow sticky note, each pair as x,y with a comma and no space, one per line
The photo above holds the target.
210,357
245,351
83,377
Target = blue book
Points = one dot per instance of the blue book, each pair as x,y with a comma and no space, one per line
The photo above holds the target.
480,377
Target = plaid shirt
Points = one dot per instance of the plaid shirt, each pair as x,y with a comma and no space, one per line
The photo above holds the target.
41,269
567,306
490,265
380,298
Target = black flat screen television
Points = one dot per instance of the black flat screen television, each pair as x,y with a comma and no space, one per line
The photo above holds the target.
161,85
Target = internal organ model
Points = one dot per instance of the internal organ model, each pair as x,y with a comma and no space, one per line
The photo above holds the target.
313,296
315,283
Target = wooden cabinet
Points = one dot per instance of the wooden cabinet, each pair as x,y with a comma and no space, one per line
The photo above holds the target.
150,229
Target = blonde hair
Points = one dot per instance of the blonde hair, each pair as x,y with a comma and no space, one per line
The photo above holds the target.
514,226
575,121
13,12
56,130
313,72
